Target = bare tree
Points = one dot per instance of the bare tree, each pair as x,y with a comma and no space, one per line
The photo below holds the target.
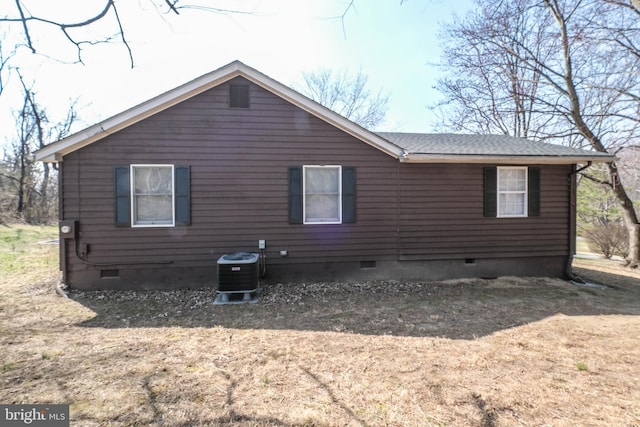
629,166
579,57
609,82
490,90
29,189
4,63
105,12
347,95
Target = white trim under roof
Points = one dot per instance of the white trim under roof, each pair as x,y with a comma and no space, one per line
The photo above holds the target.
56,151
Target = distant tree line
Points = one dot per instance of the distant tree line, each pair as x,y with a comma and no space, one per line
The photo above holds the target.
28,190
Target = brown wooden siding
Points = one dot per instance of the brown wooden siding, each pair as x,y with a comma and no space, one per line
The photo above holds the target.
239,161
441,216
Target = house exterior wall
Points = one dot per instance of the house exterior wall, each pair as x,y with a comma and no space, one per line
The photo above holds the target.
441,216
239,161
414,221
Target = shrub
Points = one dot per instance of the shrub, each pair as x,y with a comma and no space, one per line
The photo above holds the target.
582,366
608,239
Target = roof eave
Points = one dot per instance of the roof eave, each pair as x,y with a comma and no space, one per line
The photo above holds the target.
503,160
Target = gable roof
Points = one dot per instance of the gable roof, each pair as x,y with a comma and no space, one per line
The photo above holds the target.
56,151
406,147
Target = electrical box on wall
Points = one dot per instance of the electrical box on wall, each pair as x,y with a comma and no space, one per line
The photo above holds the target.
69,228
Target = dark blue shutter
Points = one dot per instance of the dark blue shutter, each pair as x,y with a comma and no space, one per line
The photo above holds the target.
183,194
295,195
533,191
348,194
122,196
490,192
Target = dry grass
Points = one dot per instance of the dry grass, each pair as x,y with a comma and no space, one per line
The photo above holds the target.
506,352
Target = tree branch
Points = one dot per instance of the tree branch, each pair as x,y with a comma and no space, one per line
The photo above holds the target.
25,27
26,20
346,10
172,6
124,40
599,181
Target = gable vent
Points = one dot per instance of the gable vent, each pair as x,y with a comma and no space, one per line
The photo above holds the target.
239,96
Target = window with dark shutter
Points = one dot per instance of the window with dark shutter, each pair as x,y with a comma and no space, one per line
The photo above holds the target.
315,192
152,195
505,191
239,96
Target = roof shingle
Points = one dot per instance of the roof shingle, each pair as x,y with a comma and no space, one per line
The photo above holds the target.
481,145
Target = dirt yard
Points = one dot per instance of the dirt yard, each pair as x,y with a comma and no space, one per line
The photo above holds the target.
504,352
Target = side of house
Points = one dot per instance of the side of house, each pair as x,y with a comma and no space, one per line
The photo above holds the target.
239,162
447,218
152,198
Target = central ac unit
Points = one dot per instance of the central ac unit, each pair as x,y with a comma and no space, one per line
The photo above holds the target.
238,272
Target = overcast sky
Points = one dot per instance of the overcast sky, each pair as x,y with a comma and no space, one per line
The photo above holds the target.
395,44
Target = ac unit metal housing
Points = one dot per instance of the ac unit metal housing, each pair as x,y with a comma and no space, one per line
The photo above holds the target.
238,272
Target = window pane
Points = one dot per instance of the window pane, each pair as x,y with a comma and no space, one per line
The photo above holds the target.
153,209
511,204
511,179
322,208
322,181
152,195
152,180
322,194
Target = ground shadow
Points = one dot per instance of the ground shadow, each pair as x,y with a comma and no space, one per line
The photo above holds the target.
457,310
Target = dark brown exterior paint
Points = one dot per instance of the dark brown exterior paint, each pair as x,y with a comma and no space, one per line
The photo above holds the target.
415,221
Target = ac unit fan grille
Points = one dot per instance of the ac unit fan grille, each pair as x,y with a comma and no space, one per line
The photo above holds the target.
241,276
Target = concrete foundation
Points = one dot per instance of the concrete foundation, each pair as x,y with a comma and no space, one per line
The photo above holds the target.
425,270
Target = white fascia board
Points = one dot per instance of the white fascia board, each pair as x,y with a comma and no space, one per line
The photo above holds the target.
504,160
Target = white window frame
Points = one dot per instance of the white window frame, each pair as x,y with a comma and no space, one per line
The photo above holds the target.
133,196
304,193
524,192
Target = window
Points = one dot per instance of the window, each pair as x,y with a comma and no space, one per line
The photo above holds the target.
152,195
239,96
322,194
512,192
